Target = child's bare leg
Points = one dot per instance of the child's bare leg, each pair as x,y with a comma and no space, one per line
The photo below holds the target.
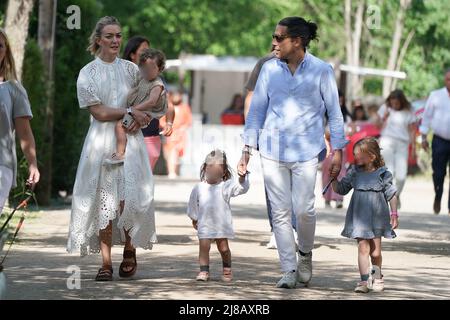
376,257
205,246
375,252
363,258
224,249
121,137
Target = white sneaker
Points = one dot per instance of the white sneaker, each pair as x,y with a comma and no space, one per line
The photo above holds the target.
288,281
376,282
304,268
362,287
272,243
378,285
202,276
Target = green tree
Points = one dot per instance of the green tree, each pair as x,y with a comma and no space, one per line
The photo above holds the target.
71,123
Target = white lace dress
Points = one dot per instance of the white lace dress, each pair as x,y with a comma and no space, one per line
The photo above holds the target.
99,189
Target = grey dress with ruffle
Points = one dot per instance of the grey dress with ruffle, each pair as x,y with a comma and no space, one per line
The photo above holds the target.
368,214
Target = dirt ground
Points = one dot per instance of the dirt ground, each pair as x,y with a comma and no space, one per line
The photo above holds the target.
416,263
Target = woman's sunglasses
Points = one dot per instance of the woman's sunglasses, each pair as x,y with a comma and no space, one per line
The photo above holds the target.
279,38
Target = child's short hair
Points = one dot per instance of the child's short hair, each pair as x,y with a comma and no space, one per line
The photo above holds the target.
370,145
216,156
156,54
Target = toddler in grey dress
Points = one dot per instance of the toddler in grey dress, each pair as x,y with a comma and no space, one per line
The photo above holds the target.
368,216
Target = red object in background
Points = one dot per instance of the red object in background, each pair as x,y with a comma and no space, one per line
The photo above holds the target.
363,129
232,119
367,129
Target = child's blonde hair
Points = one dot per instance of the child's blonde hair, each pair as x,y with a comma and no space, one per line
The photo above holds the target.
370,146
7,66
216,156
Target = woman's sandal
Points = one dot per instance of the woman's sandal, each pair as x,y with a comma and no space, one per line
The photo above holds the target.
105,273
128,254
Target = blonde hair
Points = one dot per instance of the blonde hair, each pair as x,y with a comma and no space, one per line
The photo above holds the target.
96,34
371,146
7,66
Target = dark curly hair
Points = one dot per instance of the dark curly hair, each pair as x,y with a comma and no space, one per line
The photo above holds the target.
299,27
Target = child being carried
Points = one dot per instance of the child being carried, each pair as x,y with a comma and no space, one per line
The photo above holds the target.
149,96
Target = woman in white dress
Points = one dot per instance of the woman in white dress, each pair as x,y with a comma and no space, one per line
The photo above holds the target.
111,204
398,130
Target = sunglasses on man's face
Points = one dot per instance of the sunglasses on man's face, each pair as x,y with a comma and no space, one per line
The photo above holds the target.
279,38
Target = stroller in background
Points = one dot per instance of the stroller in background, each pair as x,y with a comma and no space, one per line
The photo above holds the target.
4,236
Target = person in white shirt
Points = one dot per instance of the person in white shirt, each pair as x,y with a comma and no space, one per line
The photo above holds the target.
15,117
397,124
210,211
437,118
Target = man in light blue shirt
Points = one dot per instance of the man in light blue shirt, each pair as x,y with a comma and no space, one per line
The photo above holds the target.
437,118
286,123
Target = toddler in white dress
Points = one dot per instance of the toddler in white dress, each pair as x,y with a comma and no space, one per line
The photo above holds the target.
210,210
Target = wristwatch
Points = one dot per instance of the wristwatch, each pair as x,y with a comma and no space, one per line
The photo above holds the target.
129,111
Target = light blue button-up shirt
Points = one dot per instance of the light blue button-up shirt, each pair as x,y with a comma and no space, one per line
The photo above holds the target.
286,116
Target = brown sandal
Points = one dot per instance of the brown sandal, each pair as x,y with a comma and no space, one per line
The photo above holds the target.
128,254
105,273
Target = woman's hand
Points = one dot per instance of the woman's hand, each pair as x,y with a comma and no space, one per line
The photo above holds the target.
141,118
195,224
133,128
34,175
168,130
394,222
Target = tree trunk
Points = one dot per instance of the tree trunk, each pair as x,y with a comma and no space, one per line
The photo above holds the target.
353,46
46,41
348,43
401,57
16,27
396,39
357,80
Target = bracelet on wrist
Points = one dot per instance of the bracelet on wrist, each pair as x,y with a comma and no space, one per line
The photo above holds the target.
394,214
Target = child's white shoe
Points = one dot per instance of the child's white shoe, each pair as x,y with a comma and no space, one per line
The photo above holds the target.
227,275
362,287
376,280
378,285
202,276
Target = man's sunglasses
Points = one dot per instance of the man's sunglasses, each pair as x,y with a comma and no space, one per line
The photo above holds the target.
279,38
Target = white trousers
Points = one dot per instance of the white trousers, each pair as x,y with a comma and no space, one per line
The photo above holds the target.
290,187
6,176
395,154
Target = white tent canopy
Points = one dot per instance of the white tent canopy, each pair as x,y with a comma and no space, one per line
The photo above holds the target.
213,63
